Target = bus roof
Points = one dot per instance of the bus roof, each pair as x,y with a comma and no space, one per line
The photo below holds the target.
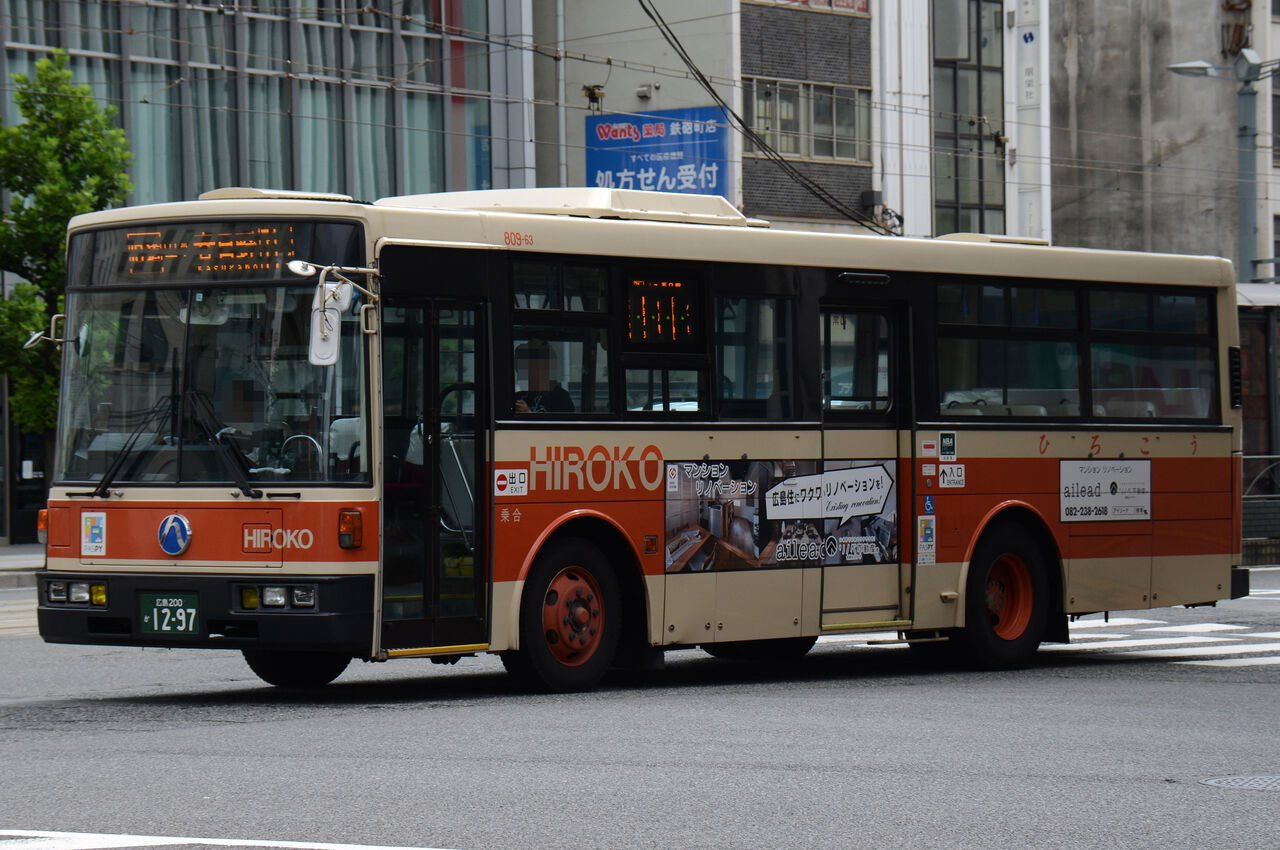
670,226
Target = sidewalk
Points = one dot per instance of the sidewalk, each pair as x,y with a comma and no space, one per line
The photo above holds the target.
18,564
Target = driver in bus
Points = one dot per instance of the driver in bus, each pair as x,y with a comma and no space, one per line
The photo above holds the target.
535,364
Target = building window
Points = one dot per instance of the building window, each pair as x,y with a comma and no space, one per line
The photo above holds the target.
1275,127
809,120
968,118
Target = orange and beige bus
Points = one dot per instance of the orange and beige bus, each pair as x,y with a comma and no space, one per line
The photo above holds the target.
581,427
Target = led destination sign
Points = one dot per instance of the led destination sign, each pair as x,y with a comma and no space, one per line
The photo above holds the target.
250,250
199,252
661,314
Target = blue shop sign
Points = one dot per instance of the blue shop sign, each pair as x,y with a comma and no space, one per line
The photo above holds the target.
669,150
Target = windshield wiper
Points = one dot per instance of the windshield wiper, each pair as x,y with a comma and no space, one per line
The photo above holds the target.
162,407
231,455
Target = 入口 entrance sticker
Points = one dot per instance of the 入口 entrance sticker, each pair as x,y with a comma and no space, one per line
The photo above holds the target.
1104,490
951,475
93,533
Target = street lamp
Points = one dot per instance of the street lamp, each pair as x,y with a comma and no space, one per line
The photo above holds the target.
1246,70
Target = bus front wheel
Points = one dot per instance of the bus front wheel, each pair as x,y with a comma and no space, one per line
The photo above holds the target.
298,670
1006,599
570,619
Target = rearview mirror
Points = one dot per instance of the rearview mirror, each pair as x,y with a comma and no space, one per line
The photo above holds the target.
325,334
327,306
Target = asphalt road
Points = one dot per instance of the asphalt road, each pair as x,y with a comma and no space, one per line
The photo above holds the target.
1105,743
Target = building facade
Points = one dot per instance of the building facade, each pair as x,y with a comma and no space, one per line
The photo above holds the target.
365,99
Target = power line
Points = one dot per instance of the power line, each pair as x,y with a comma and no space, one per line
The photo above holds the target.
737,122
325,73
1116,168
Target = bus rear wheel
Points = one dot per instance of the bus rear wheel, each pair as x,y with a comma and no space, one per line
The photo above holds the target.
1006,599
570,619
297,670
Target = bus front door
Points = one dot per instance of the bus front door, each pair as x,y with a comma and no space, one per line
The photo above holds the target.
434,576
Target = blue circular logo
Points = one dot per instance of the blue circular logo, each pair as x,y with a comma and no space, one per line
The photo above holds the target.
175,534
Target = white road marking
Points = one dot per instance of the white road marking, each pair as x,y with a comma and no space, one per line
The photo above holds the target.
1098,636
1196,628
1114,622
1193,651
39,840
1133,643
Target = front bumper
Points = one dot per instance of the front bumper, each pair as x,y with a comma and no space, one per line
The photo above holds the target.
341,621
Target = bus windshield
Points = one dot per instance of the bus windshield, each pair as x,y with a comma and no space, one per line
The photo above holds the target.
207,385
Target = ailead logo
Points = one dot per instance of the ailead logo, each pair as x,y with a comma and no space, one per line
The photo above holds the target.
175,534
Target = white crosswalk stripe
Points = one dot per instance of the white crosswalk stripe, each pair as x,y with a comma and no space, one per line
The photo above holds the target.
1197,644
41,840
17,617
1137,638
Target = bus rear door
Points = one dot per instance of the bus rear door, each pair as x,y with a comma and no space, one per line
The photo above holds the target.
862,580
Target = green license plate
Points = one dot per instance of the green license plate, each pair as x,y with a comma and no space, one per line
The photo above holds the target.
175,614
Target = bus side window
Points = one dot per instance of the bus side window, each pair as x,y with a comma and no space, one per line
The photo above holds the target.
855,362
752,341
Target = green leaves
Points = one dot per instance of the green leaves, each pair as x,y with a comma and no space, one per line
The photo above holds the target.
66,157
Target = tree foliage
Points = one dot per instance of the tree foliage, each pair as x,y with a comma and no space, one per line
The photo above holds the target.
66,157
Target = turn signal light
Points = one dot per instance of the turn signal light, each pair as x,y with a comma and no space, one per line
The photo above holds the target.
350,529
42,525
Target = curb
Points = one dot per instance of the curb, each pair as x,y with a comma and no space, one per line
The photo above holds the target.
17,578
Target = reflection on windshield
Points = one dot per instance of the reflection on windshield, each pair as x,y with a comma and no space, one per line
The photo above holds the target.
207,385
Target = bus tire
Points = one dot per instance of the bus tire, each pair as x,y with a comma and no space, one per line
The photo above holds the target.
1006,599
773,650
297,670
570,619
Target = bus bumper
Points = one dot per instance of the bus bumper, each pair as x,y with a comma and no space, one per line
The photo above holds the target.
339,620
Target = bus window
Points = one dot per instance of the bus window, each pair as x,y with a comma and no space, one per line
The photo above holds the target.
1023,362
855,362
560,373
752,338
670,390
1142,381
1151,355
549,286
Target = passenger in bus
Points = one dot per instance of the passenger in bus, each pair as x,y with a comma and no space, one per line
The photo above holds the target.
535,364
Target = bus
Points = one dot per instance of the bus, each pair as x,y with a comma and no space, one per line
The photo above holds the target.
579,428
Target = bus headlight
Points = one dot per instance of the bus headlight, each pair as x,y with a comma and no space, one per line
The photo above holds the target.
56,591
302,596
78,592
273,597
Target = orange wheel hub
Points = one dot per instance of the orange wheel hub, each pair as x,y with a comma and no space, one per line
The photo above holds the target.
1010,597
572,616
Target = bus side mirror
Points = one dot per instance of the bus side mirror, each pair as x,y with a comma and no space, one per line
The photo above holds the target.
40,336
327,306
